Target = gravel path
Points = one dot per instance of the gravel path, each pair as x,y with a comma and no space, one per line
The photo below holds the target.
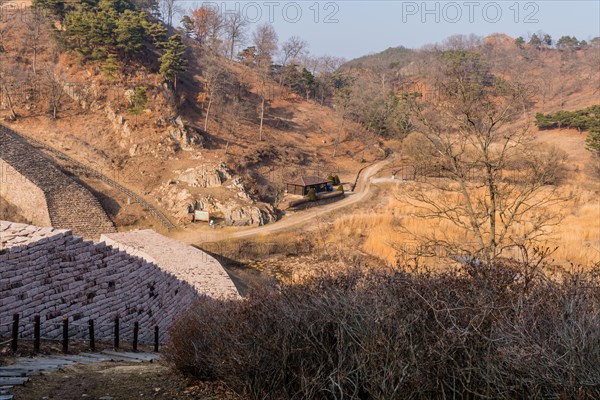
24,367
361,191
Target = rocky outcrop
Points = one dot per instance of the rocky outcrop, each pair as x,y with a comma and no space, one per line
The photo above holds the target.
206,176
238,215
182,136
235,205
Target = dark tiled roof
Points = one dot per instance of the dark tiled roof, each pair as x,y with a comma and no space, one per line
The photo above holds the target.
308,181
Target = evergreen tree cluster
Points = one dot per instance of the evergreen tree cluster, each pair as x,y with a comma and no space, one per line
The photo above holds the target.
563,43
587,119
115,33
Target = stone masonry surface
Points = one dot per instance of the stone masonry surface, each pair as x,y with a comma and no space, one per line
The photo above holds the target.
51,273
44,193
185,262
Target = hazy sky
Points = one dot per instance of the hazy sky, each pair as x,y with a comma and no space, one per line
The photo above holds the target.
352,28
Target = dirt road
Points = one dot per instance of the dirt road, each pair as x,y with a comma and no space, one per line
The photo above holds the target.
290,221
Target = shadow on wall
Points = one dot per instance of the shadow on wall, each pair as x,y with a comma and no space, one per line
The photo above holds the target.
51,273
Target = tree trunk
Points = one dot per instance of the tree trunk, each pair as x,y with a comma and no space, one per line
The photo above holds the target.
262,117
337,138
13,115
207,112
492,214
231,48
34,60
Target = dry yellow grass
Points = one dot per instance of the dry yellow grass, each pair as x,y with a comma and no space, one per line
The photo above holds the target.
578,236
384,231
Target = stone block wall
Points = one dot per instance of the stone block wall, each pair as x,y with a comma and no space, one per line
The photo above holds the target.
51,273
67,204
28,198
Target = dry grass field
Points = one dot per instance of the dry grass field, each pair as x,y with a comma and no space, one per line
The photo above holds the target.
383,230
380,233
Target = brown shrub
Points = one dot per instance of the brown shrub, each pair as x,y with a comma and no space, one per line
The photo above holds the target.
501,332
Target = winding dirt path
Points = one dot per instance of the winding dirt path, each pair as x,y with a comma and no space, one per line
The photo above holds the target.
361,191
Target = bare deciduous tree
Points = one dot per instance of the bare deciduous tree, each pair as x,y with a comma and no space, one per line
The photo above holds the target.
207,24
291,49
235,31
497,184
6,75
342,100
265,40
35,30
6,93
214,76
55,90
168,10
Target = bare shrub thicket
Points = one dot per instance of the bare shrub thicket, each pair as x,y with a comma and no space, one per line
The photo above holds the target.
499,332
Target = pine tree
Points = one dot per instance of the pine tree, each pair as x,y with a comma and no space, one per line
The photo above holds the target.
308,82
130,33
58,8
592,142
535,41
157,31
138,101
567,43
173,60
519,42
111,67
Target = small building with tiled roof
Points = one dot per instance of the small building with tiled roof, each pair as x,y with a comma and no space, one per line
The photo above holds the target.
303,184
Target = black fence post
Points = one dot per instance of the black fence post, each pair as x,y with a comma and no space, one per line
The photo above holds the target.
116,333
65,341
15,333
136,331
156,339
92,337
36,334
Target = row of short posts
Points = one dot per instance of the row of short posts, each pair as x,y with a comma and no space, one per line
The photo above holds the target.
65,334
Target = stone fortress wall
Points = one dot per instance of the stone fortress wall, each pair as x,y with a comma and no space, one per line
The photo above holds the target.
51,273
44,194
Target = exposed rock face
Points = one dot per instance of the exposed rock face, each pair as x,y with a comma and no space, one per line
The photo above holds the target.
242,192
85,95
119,124
182,136
178,136
236,215
236,205
206,176
175,199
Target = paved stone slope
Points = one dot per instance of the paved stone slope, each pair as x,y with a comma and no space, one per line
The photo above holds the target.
51,273
44,193
185,262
